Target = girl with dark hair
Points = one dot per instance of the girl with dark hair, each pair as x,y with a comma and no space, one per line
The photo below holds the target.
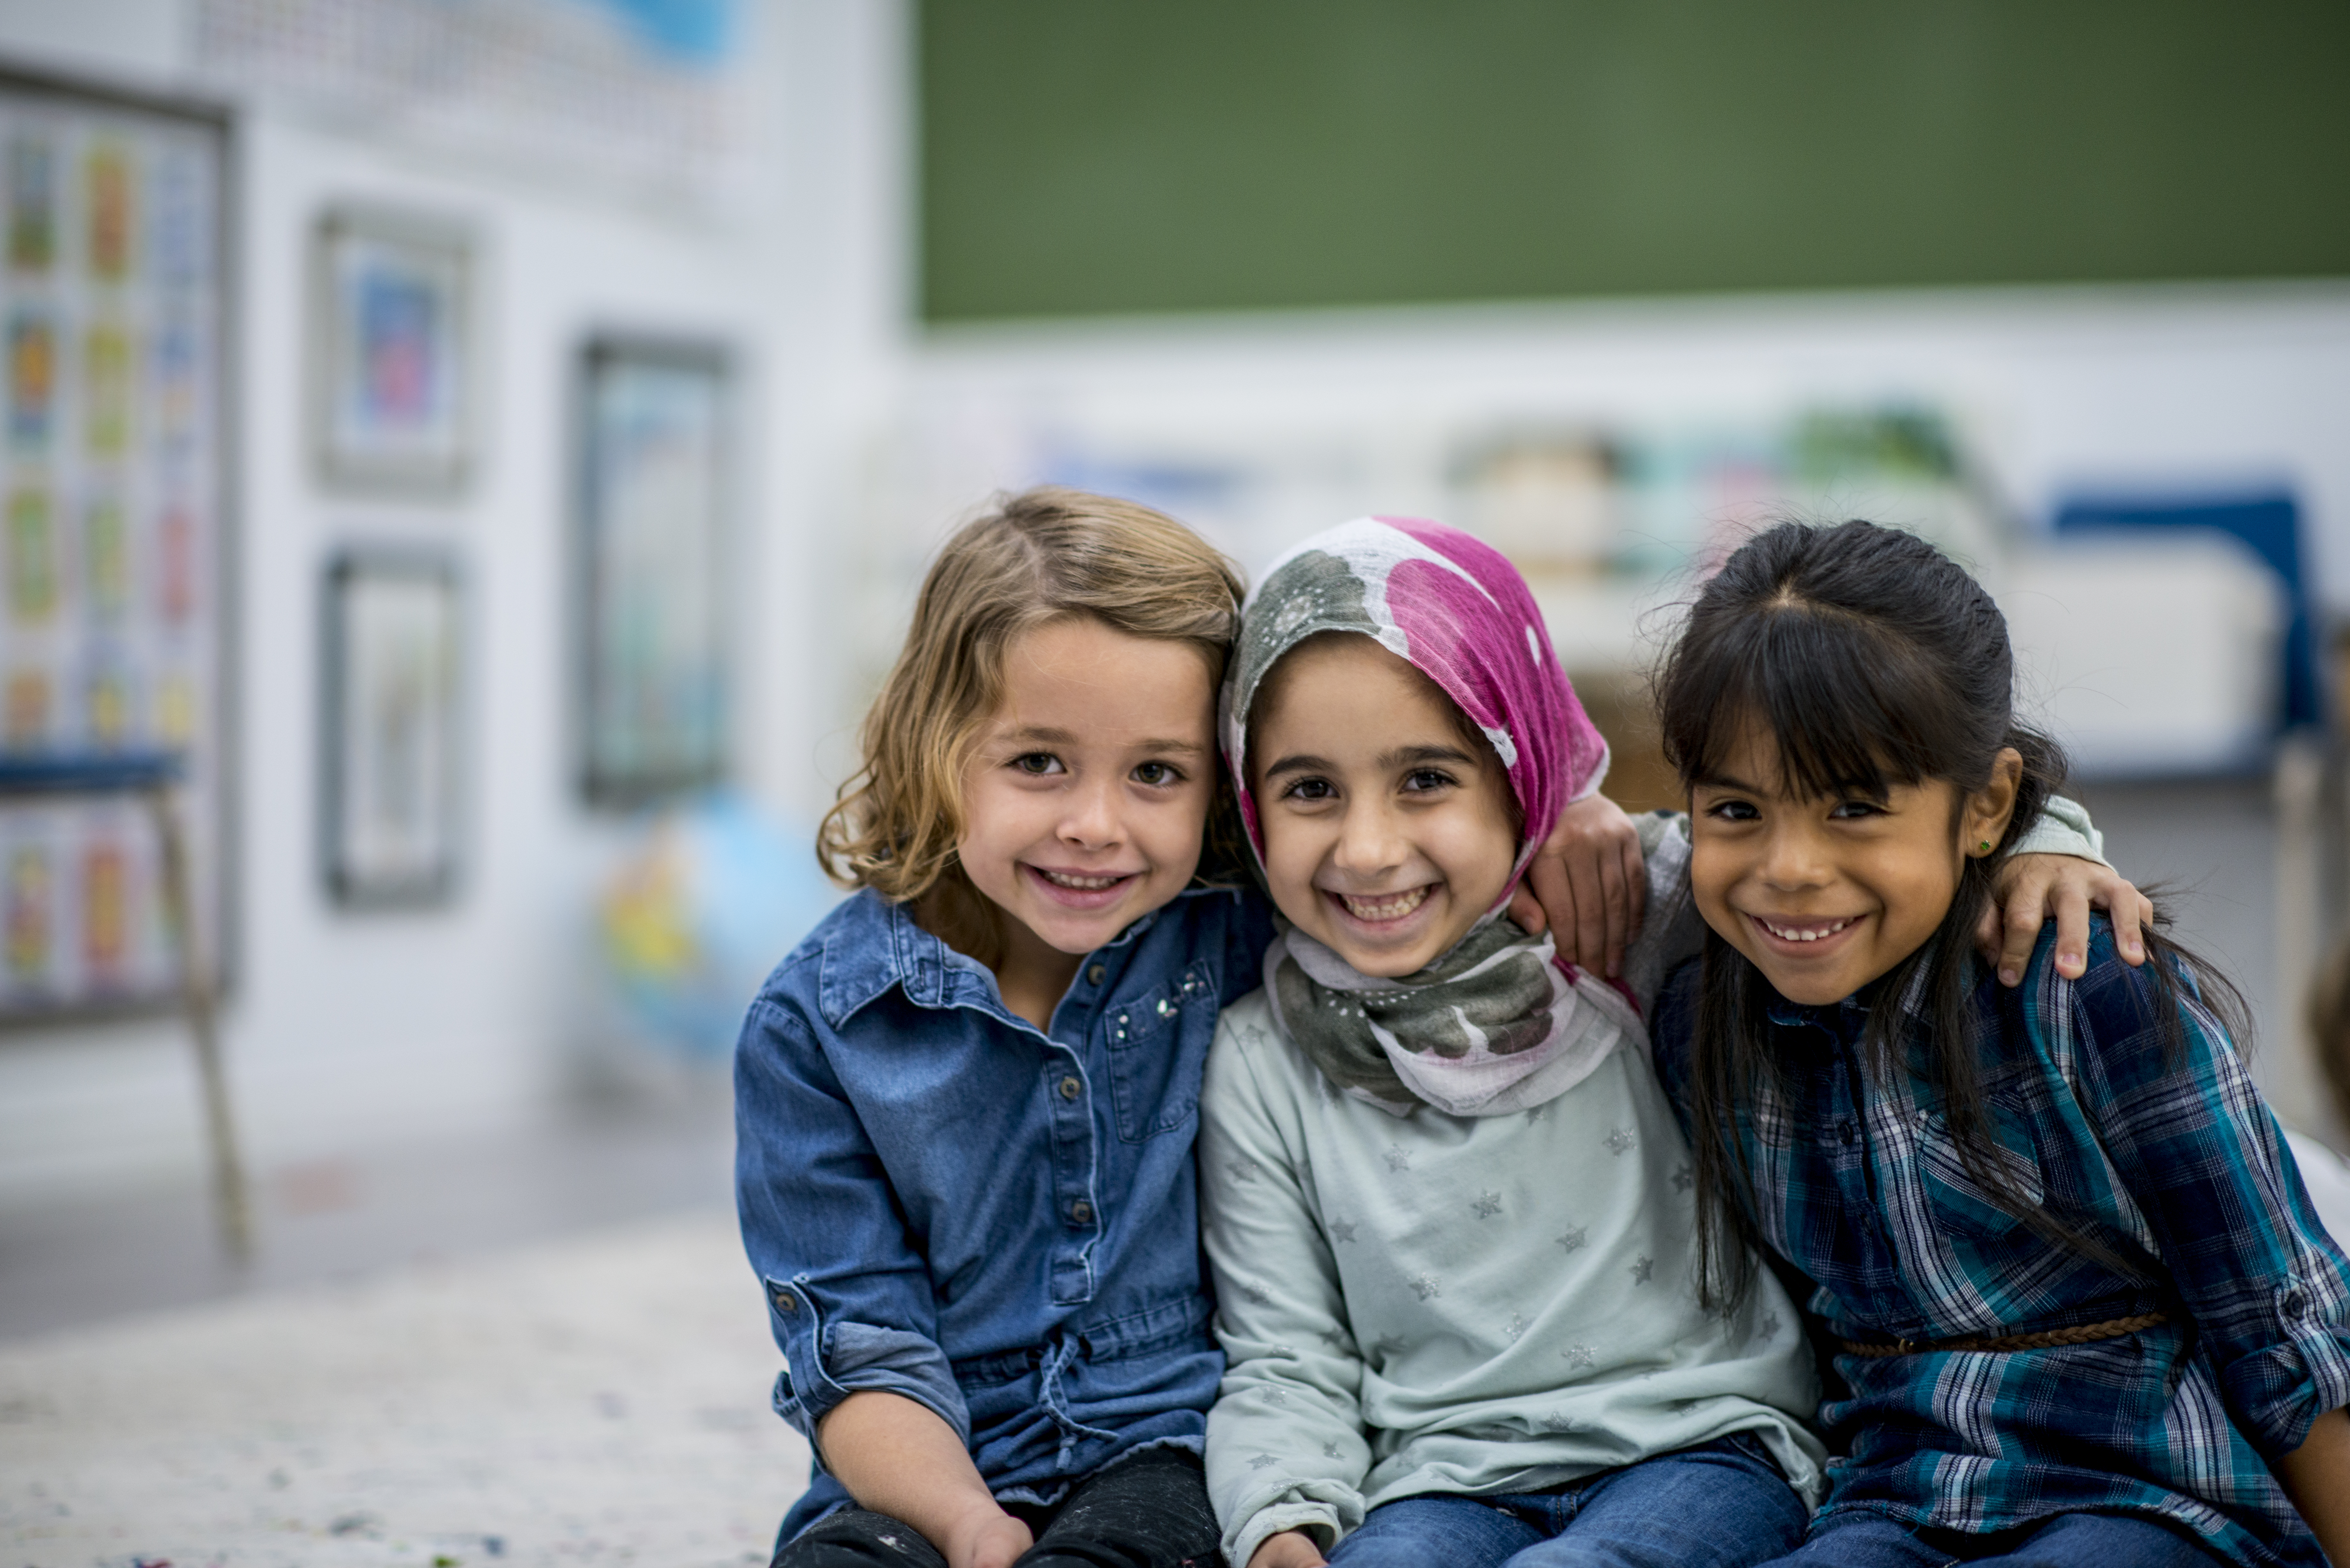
1444,1200
2076,1303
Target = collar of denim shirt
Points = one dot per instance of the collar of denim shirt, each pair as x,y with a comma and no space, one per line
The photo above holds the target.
877,945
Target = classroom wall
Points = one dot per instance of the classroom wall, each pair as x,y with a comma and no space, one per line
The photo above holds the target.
868,433
342,1028
1263,428
2155,387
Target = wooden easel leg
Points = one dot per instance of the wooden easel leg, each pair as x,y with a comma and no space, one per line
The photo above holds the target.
229,1195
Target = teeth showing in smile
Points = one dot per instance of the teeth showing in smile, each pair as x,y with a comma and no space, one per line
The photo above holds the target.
1078,884
1799,934
1386,906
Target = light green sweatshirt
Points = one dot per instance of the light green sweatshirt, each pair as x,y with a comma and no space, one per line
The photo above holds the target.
1430,1302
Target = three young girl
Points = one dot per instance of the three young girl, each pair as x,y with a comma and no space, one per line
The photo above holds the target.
968,1101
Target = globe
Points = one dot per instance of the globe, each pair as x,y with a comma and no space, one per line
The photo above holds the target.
698,913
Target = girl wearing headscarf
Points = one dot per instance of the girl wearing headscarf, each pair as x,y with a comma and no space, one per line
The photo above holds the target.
1448,1206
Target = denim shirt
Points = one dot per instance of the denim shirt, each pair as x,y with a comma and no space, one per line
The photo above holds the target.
997,1221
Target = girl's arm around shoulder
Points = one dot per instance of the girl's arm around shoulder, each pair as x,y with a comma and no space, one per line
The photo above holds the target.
1585,887
1285,1445
2176,1114
2058,871
1614,889
1673,934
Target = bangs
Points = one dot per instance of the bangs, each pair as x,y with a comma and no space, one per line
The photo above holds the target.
1849,708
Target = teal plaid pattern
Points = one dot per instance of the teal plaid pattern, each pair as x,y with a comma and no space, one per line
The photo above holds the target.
2172,1162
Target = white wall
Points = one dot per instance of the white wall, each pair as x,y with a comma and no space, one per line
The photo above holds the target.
2061,390
345,1028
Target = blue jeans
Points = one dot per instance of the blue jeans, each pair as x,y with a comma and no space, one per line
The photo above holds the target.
1722,1504
2067,1540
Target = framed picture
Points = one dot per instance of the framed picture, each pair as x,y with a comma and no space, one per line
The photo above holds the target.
392,730
117,628
392,385
652,567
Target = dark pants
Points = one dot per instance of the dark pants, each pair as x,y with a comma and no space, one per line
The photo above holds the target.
1149,1512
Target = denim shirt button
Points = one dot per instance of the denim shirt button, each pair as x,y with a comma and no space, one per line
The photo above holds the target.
1071,1089
1095,974
787,1301
1081,1212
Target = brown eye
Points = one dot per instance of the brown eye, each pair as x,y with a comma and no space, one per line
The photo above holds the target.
1156,773
1037,763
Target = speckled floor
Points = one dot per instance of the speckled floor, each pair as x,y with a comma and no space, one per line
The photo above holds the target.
598,1400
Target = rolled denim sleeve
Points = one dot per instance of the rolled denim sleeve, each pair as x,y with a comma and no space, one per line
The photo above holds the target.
2204,1161
849,1299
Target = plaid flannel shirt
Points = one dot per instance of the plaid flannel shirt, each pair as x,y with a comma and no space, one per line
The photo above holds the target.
2175,1165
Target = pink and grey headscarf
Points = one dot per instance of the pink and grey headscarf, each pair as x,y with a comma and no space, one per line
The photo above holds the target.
1500,1023
1453,609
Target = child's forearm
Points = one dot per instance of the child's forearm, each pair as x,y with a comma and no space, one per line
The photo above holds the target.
897,1457
2317,1476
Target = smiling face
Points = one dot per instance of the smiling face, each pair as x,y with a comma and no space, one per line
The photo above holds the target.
1387,835
1826,893
1087,791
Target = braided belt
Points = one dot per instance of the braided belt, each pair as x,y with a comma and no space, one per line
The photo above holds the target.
2087,1333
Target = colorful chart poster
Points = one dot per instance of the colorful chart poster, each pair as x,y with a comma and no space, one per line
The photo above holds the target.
111,317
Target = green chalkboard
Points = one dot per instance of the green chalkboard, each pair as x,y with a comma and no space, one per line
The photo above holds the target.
1089,156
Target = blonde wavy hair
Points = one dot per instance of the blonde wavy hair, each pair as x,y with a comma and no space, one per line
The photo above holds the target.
1045,554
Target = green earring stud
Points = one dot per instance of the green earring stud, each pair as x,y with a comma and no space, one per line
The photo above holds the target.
1985,847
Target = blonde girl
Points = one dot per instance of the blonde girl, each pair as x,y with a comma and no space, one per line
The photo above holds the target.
966,1103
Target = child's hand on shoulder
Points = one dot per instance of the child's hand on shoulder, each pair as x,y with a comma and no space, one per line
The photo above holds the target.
1587,883
1290,1549
2034,889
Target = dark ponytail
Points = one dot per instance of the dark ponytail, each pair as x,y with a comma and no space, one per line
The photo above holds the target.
1873,660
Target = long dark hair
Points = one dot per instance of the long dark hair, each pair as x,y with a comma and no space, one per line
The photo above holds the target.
1872,660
